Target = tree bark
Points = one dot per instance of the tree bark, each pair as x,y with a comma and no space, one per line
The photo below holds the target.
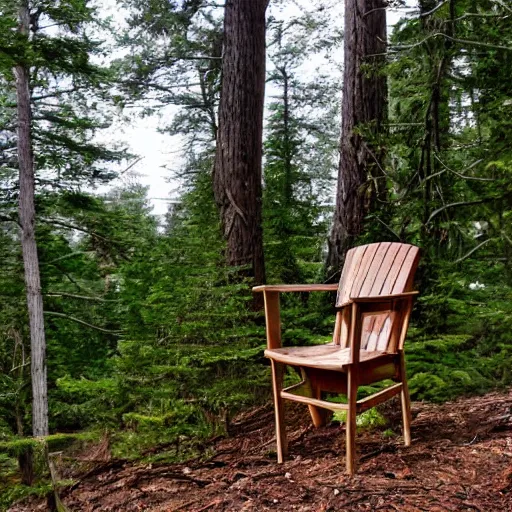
360,176
237,170
28,240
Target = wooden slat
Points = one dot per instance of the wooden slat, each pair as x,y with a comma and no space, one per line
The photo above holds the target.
349,273
374,336
384,270
345,326
346,271
377,398
374,269
389,283
404,279
382,298
296,288
376,307
364,267
332,406
385,332
368,322
336,335
327,357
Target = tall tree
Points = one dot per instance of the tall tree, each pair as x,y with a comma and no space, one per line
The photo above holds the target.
237,170
55,116
360,177
300,145
28,240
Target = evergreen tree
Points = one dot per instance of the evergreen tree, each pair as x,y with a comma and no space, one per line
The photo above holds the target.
47,79
448,167
300,147
173,60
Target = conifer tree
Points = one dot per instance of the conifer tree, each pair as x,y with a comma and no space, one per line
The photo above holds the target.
28,240
300,146
55,121
445,83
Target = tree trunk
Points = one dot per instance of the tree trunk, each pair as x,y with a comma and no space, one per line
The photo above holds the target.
360,176
28,241
237,171
26,465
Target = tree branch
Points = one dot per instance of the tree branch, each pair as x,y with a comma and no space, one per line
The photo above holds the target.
389,228
432,11
77,228
82,297
66,256
54,94
467,169
468,254
460,203
81,322
454,39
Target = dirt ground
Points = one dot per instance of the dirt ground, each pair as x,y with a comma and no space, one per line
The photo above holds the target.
460,460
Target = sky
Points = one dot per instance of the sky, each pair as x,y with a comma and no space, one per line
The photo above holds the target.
159,153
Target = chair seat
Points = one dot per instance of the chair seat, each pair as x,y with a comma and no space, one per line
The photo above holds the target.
327,357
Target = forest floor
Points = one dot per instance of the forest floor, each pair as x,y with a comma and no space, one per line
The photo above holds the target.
460,460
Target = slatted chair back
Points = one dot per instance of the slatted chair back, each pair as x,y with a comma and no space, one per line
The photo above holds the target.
375,270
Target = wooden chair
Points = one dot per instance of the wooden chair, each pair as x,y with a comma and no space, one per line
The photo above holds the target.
373,308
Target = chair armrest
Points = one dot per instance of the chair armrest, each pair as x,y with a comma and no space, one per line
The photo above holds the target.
377,299
296,288
384,298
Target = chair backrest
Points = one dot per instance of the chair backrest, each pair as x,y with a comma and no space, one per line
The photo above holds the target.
378,269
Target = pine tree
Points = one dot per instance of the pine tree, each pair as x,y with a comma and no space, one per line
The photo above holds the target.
300,147
53,82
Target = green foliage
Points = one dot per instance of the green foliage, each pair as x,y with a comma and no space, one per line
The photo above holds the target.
149,334
55,442
368,420
441,369
15,492
299,150
183,426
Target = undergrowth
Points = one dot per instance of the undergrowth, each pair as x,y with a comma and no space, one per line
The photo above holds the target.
167,403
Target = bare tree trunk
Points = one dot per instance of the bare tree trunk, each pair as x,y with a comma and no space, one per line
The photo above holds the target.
28,241
237,171
363,110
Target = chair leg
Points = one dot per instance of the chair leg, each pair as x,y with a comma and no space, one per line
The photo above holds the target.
406,402
351,423
319,415
277,384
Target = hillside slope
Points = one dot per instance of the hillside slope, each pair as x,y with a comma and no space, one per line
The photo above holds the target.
460,460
